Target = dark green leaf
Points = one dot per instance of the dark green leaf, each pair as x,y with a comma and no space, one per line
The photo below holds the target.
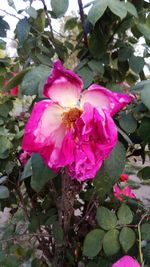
105,218
97,11
5,108
16,80
145,231
136,63
127,238
4,26
93,243
96,66
4,192
96,44
39,23
144,130
124,214
27,172
70,24
41,173
128,123
86,75
22,30
111,242
145,96
144,174
57,233
59,7
5,146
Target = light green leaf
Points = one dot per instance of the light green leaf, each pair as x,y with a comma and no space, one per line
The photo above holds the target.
131,9
97,10
31,11
105,218
59,7
118,8
124,214
127,238
111,242
4,192
144,29
93,243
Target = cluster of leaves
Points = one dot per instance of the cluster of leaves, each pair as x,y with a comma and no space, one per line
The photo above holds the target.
103,43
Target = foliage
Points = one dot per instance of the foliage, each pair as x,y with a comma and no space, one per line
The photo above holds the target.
98,229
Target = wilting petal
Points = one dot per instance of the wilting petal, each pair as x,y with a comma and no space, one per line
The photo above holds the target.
63,86
96,136
101,97
126,261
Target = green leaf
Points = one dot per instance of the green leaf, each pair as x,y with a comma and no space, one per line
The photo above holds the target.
33,78
118,8
111,242
5,108
59,7
97,46
4,26
70,24
31,11
57,232
96,66
145,96
145,231
39,22
27,172
105,218
144,29
4,192
97,10
5,146
93,243
116,162
127,238
128,123
136,63
22,30
86,75
15,80
124,53
41,173
144,174
124,214
131,9
144,130
139,86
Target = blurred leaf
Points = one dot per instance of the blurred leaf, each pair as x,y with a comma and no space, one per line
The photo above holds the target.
93,243
5,146
139,86
41,173
136,63
22,30
131,9
128,123
96,44
111,242
125,214
13,82
105,218
144,129
70,24
59,7
4,26
118,8
4,192
145,96
31,80
125,53
86,75
127,238
11,3
115,163
97,11
144,29
31,11
39,22
144,174
57,232
96,66
145,231
27,172
5,108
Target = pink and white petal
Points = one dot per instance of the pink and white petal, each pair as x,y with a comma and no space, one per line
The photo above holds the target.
101,97
41,125
63,86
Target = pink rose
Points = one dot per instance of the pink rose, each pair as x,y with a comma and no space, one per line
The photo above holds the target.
120,192
126,261
73,129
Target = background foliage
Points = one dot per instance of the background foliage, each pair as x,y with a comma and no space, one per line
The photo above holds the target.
101,47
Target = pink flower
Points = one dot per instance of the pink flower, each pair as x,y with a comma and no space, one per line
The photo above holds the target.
124,177
71,129
126,261
24,156
120,192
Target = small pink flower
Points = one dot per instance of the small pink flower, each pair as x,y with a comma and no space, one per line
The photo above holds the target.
23,157
73,129
120,192
124,177
126,261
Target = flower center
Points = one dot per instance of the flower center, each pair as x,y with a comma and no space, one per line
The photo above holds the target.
69,117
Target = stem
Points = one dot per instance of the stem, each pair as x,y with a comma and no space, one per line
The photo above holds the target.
83,22
140,239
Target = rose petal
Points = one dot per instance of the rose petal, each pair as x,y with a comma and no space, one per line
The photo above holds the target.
126,261
63,86
101,97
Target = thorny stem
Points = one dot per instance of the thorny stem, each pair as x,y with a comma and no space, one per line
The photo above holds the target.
83,22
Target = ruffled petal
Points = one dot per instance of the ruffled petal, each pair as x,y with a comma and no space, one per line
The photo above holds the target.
63,86
126,261
101,97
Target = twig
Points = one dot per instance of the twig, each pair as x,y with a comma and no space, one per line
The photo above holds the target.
7,13
82,21
140,240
